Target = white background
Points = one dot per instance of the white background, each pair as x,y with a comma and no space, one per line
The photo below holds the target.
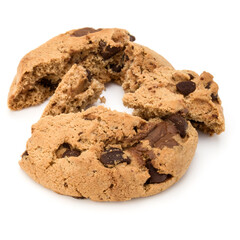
205,203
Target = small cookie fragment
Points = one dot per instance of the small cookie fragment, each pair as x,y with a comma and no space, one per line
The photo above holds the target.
165,92
77,90
102,99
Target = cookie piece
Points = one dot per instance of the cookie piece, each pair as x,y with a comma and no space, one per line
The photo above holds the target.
166,91
105,155
107,53
77,90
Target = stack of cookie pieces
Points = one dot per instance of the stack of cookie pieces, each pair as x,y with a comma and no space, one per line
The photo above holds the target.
101,154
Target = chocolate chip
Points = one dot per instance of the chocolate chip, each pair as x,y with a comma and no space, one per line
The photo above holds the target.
208,85
125,57
71,153
65,185
66,145
116,68
108,51
66,150
79,197
25,154
186,87
132,38
84,31
214,97
191,76
112,157
161,135
135,129
89,75
155,177
180,123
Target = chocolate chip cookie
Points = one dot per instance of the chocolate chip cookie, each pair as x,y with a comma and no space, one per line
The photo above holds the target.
153,88
166,91
106,53
105,155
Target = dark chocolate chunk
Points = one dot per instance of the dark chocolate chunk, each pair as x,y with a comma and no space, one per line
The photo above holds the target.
89,75
108,51
79,197
25,154
84,31
162,135
116,68
155,177
191,76
214,97
180,123
66,150
125,57
66,145
208,85
71,153
186,87
135,129
132,38
113,156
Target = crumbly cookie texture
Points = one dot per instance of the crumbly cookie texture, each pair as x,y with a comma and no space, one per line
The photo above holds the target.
77,90
166,91
105,155
106,53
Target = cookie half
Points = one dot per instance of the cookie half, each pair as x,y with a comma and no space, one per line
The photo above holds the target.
105,155
107,53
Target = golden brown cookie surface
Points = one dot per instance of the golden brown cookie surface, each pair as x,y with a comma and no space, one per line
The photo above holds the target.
166,91
107,53
105,155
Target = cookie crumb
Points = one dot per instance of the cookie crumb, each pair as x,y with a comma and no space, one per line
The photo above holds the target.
102,99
